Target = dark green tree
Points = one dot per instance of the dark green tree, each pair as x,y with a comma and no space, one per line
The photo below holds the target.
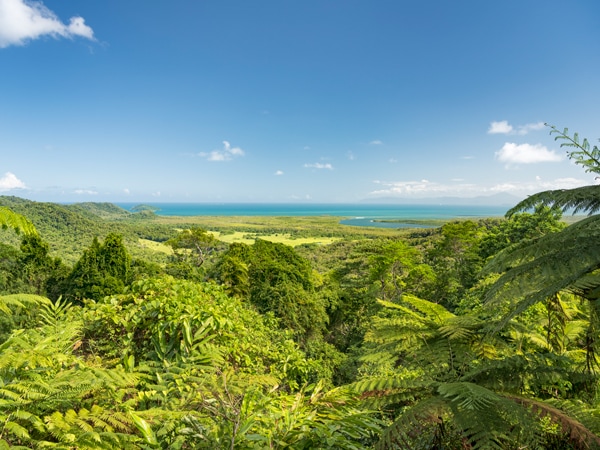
396,267
278,280
456,261
103,269
38,270
519,228
233,273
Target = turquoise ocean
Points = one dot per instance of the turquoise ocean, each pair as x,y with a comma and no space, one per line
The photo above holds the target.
350,214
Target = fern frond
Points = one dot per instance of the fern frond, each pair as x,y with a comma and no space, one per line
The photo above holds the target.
556,262
468,395
10,219
577,432
575,237
582,199
413,422
433,311
378,387
583,154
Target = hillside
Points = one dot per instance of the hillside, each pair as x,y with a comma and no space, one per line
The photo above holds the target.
69,229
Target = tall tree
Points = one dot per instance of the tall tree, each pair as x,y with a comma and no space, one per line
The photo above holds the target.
103,269
38,270
456,261
193,249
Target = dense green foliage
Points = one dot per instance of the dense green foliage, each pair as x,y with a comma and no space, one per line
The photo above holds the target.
473,335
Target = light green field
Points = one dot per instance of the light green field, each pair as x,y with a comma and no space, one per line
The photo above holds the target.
156,246
246,238
285,238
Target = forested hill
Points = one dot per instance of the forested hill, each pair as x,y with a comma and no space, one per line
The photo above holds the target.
71,228
104,210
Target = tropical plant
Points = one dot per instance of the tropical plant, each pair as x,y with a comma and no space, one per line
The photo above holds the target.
214,373
52,398
446,382
19,223
565,261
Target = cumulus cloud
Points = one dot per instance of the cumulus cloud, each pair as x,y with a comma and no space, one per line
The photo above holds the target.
10,181
23,20
538,185
512,153
503,127
279,172
459,188
420,189
227,153
85,192
319,166
376,142
351,156
126,191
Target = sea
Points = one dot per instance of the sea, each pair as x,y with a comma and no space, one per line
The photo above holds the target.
350,214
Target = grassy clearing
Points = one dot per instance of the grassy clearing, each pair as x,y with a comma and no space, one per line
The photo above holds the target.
285,238
156,246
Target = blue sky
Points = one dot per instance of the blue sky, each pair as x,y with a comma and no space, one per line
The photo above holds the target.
284,101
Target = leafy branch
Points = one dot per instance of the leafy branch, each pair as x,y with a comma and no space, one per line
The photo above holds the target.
583,154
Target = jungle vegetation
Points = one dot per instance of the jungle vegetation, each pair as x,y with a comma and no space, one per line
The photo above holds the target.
127,330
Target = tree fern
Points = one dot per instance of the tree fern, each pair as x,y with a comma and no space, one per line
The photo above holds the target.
51,397
583,199
444,390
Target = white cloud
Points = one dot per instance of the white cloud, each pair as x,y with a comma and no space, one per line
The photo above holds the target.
126,191
22,20
459,188
376,142
539,185
227,153
503,127
512,153
416,188
85,192
524,129
319,166
279,172
351,156
10,181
